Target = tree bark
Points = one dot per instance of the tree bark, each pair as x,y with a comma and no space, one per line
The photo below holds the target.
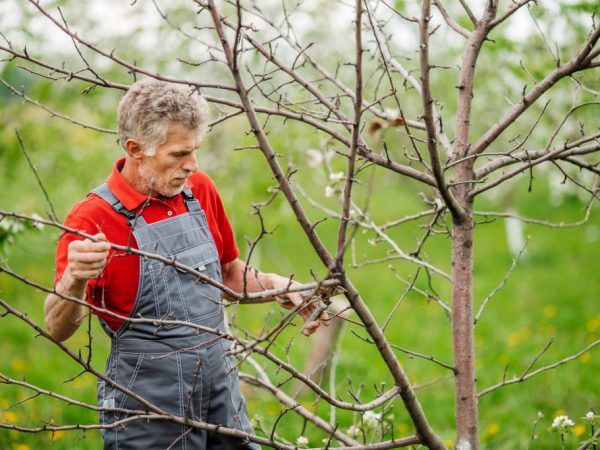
467,436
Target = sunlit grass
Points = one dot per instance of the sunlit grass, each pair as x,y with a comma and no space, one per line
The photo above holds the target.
552,294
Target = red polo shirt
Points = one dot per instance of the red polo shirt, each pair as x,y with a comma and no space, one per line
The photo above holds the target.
117,288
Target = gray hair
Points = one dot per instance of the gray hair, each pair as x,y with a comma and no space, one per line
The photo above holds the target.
151,106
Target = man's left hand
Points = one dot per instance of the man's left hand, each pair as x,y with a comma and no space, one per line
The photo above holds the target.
295,299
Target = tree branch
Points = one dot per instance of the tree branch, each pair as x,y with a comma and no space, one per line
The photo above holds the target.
527,375
568,149
298,408
122,62
576,64
467,9
450,21
358,100
53,112
513,7
436,166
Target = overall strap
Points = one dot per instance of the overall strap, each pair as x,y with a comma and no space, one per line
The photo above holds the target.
104,192
192,203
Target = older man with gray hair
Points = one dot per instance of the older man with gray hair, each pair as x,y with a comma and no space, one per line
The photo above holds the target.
156,200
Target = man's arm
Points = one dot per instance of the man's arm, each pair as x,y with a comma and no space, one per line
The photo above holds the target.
256,281
86,260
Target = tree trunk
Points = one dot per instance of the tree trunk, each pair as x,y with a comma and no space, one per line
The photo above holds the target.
467,436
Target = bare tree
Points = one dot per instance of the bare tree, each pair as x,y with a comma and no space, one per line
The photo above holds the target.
376,110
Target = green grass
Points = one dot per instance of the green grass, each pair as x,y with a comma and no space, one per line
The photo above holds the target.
552,294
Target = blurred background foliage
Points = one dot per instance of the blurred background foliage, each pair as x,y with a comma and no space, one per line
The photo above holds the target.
552,294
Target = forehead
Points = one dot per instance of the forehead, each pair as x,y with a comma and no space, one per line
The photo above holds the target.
180,136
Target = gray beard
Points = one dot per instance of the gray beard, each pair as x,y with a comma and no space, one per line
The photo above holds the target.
150,177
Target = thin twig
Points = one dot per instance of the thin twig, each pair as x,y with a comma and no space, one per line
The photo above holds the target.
501,285
53,112
52,212
450,21
527,376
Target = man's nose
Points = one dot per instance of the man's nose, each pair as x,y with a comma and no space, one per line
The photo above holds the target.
190,164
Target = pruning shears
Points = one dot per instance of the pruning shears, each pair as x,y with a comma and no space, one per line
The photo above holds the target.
321,295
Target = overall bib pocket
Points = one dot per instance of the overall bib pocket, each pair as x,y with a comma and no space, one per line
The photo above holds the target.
196,299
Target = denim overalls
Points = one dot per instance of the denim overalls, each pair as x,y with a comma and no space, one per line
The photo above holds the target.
185,373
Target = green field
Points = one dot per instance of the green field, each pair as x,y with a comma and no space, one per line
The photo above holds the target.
552,294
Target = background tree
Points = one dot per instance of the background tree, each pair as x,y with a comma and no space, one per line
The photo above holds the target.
388,138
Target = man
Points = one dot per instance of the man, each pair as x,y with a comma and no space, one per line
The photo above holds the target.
157,201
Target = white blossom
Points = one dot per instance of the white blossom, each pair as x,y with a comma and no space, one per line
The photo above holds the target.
562,422
302,441
515,234
336,176
590,415
11,226
318,157
353,431
329,191
38,225
391,113
371,419
255,421
315,157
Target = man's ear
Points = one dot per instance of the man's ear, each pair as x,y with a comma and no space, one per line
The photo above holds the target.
134,148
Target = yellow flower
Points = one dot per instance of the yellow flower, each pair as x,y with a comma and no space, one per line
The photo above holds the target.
513,339
579,430
449,443
549,311
273,409
82,381
493,429
18,365
309,406
10,417
22,447
593,324
58,435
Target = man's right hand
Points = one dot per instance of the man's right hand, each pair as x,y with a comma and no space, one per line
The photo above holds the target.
87,258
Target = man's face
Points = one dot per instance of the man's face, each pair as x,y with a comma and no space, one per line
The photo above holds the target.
166,172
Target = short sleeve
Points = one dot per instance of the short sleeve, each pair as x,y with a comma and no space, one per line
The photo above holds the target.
206,192
230,248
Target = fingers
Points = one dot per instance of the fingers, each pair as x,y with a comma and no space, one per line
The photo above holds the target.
89,246
87,258
310,327
313,312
